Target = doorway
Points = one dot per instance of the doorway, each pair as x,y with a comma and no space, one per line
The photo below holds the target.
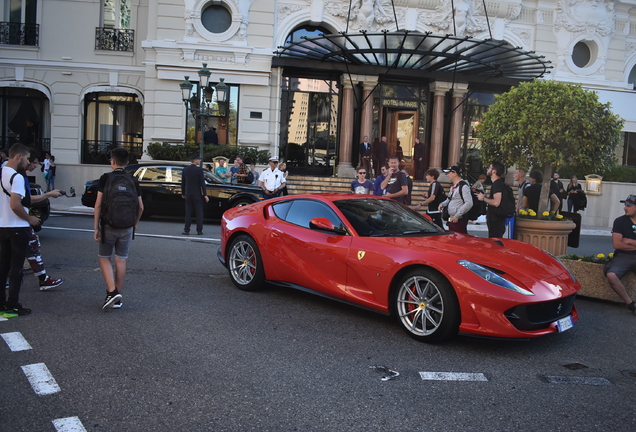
400,128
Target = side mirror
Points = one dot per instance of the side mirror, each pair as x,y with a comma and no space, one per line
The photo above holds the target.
325,225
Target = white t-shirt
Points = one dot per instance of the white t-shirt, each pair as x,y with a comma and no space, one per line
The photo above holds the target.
8,219
47,164
272,179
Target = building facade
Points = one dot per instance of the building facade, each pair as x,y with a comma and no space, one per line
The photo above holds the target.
78,78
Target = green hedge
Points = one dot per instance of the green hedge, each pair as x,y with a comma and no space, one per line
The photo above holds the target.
620,173
182,152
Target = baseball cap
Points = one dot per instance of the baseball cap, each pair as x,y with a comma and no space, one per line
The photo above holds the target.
273,159
630,200
454,168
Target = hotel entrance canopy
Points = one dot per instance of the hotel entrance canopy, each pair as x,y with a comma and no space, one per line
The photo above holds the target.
416,54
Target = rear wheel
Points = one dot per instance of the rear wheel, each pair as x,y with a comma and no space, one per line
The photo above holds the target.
426,306
245,264
241,203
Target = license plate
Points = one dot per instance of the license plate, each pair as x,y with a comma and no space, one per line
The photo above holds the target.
565,324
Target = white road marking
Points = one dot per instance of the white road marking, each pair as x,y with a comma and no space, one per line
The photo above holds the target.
577,380
179,237
68,424
3,318
452,376
41,379
16,341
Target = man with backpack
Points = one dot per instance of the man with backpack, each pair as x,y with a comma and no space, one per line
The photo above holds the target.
118,209
459,202
15,229
501,202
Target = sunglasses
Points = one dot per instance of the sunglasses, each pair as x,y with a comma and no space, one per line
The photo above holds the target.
362,172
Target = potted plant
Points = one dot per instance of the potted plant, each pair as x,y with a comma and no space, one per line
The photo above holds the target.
550,124
588,271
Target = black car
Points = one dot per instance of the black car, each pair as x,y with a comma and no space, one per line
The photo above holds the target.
161,191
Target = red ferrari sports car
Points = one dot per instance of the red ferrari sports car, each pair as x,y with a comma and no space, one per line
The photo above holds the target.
378,254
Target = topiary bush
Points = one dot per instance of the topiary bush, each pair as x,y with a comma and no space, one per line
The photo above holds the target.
182,152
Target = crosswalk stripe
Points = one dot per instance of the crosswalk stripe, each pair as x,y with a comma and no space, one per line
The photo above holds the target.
16,341
68,424
452,376
577,380
41,379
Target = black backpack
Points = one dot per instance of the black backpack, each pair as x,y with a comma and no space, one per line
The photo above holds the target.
506,207
440,196
475,210
119,201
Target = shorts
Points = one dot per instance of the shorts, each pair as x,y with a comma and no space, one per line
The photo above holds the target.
620,265
115,238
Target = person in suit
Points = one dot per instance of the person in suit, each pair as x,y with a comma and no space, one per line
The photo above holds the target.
418,159
381,154
211,137
193,190
364,149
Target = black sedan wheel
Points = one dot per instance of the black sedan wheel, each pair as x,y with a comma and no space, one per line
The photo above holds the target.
241,203
426,306
245,264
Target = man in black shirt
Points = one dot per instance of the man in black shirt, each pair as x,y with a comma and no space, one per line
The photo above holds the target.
624,241
194,192
211,137
395,183
496,224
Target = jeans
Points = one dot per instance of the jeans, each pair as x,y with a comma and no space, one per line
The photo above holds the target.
50,183
13,250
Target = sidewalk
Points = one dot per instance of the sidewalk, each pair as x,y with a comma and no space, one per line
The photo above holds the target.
74,205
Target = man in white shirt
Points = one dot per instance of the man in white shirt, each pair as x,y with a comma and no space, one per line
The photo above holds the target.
15,228
271,180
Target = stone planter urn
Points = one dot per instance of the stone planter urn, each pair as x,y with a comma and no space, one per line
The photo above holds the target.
549,235
593,282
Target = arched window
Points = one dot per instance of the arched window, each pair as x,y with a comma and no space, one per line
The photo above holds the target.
632,77
307,31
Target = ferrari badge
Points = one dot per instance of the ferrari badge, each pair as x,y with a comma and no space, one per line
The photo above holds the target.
361,254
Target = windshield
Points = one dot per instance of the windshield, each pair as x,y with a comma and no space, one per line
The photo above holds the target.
383,218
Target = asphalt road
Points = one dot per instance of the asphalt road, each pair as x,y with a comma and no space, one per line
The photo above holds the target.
190,352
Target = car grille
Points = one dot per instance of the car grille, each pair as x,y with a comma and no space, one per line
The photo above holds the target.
538,316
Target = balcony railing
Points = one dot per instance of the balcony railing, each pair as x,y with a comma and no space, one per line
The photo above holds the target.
111,39
98,152
12,33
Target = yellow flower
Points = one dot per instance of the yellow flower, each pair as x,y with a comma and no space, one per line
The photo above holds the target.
611,255
522,212
559,216
545,213
580,259
532,213
600,256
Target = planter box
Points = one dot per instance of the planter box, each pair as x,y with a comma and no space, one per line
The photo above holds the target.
546,234
593,282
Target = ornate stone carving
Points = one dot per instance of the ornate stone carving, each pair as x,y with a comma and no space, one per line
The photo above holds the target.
370,15
244,8
284,10
524,34
630,48
576,16
467,13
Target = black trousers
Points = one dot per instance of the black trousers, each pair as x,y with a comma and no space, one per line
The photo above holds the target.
193,203
13,250
496,225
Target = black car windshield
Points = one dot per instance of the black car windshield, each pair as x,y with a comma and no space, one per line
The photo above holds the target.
384,218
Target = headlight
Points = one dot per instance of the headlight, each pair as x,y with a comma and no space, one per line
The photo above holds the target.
493,277
562,265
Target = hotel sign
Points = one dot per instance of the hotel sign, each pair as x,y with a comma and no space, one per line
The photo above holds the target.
400,103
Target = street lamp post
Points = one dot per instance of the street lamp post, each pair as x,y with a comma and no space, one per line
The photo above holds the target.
201,110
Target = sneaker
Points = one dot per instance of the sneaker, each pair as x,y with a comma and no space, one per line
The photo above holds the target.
16,309
110,299
49,283
185,233
5,312
118,304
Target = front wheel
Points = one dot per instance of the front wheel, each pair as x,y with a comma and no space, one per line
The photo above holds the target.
426,306
245,264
